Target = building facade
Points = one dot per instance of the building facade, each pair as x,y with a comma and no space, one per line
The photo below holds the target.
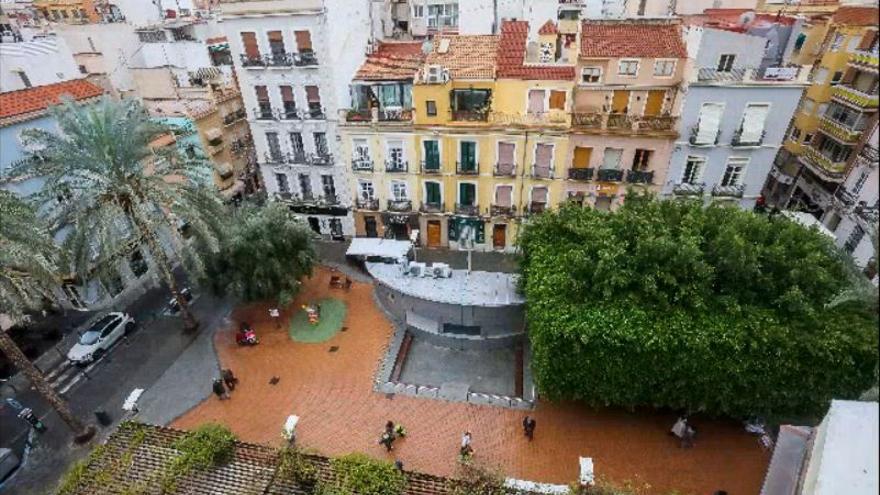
69,11
282,52
35,62
734,119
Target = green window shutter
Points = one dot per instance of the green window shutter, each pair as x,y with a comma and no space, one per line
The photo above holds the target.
467,193
433,192
468,155
432,155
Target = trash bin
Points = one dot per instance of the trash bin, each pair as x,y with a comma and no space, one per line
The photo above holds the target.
103,418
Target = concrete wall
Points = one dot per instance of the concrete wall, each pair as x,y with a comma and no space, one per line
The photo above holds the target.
44,61
115,43
749,50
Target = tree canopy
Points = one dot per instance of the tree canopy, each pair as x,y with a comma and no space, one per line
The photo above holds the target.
267,252
671,304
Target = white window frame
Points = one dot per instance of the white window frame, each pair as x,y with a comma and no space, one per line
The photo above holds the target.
371,189
405,189
767,104
720,119
532,192
495,193
545,106
418,11
425,188
476,149
355,146
699,176
735,161
476,191
552,157
498,150
620,64
665,61
389,147
620,161
278,183
599,77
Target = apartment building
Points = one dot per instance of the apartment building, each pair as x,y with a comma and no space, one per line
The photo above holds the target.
294,60
833,115
626,108
70,11
26,63
734,117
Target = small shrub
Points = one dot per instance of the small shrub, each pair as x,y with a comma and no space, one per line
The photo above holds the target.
294,466
207,446
363,475
475,480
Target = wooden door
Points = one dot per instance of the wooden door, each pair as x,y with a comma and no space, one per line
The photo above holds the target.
620,102
654,105
499,236
370,227
434,233
582,157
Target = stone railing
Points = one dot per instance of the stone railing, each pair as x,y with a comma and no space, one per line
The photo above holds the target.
625,123
688,189
731,191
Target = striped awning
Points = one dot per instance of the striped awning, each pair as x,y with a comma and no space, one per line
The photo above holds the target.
207,73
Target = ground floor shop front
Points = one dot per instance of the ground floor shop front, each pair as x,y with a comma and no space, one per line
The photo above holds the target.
440,230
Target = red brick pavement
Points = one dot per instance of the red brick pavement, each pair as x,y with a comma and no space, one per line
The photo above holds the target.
332,393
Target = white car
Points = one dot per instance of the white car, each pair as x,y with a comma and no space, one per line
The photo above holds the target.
99,337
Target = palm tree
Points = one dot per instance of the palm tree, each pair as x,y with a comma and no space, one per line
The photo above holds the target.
28,259
861,291
105,181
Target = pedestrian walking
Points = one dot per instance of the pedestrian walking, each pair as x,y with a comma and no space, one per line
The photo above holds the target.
466,450
529,424
389,429
275,315
220,390
388,441
399,465
229,379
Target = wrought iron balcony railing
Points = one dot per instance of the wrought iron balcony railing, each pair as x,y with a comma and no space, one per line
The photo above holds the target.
738,140
688,189
467,168
280,59
537,207
580,173
395,166
430,168
264,112
466,209
502,210
696,141
639,176
730,191
371,204
321,159
399,205
609,175
504,170
362,165
432,207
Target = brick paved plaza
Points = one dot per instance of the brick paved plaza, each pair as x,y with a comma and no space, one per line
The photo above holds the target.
333,394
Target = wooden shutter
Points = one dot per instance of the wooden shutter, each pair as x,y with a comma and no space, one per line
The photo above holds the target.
868,40
557,100
249,40
620,102
582,157
536,101
539,195
287,94
303,41
753,122
654,104
505,153
710,120
503,195
312,94
275,36
262,93
612,158
543,154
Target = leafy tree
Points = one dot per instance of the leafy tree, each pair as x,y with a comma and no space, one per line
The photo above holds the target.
670,304
267,252
28,258
117,191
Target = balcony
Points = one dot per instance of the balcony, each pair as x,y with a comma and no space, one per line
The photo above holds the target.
619,121
854,97
694,138
502,210
580,173
323,159
305,59
315,112
329,198
551,118
823,165
297,158
839,130
625,123
430,168
469,210
247,61
362,165
396,166
688,189
861,57
367,115
290,113
639,176
588,120
279,59
395,115
843,196
870,153
432,207
730,191
470,115
504,170
467,168
371,204
264,113
358,115
536,208
399,205
738,140
274,158
609,175
539,172
234,116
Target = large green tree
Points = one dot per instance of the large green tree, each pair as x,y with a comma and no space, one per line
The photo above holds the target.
671,304
28,275
115,191
267,252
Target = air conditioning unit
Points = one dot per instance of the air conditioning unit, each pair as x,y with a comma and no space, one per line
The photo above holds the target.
441,270
417,269
436,74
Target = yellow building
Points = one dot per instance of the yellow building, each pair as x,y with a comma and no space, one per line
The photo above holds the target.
835,110
68,11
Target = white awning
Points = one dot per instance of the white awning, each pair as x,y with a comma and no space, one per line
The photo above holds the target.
808,221
383,248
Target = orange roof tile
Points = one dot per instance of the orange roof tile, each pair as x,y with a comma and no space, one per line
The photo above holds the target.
856,16
512,55
392,61
467,56
632,39
25,101
216,41
549,27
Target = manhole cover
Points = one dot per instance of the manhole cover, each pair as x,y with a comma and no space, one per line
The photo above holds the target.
334,348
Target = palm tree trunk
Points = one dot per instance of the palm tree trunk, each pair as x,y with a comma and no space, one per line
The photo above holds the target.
161,260
82,432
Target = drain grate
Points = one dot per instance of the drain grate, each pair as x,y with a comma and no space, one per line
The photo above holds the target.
333,348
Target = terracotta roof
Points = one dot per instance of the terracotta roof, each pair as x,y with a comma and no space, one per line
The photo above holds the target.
631,39
467,56
37,99
392,61
216,41
549,27
856,16
253,468
512,55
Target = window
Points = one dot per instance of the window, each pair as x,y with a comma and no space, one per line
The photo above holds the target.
431,108
808,106
795,134
641,159
835,79
112,282
734,171
581,157
288,101
536,101
543,160
628,68
725,62
693,169
467,193
664,68
855,237
361,152
557,100
366,190
709,124
432,193
395,155
296,143
283,184
611,159
443,16
313,96
823,107
432,154
503,195
82,69
834,151
642,5
265,107
470,104
305,186
321,148
274,146
303,41
854,43
836,42
276,44
329,188
752,126
505,155
591,75
249,43
418,11
24,78
467,156
398,190
820,76
860,182
808,138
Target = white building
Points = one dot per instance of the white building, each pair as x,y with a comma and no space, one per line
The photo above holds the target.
855,205
41,61
294,60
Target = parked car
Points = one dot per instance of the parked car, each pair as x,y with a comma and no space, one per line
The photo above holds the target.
99,337
8,462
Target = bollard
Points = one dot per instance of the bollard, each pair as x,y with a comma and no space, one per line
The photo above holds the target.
103,418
